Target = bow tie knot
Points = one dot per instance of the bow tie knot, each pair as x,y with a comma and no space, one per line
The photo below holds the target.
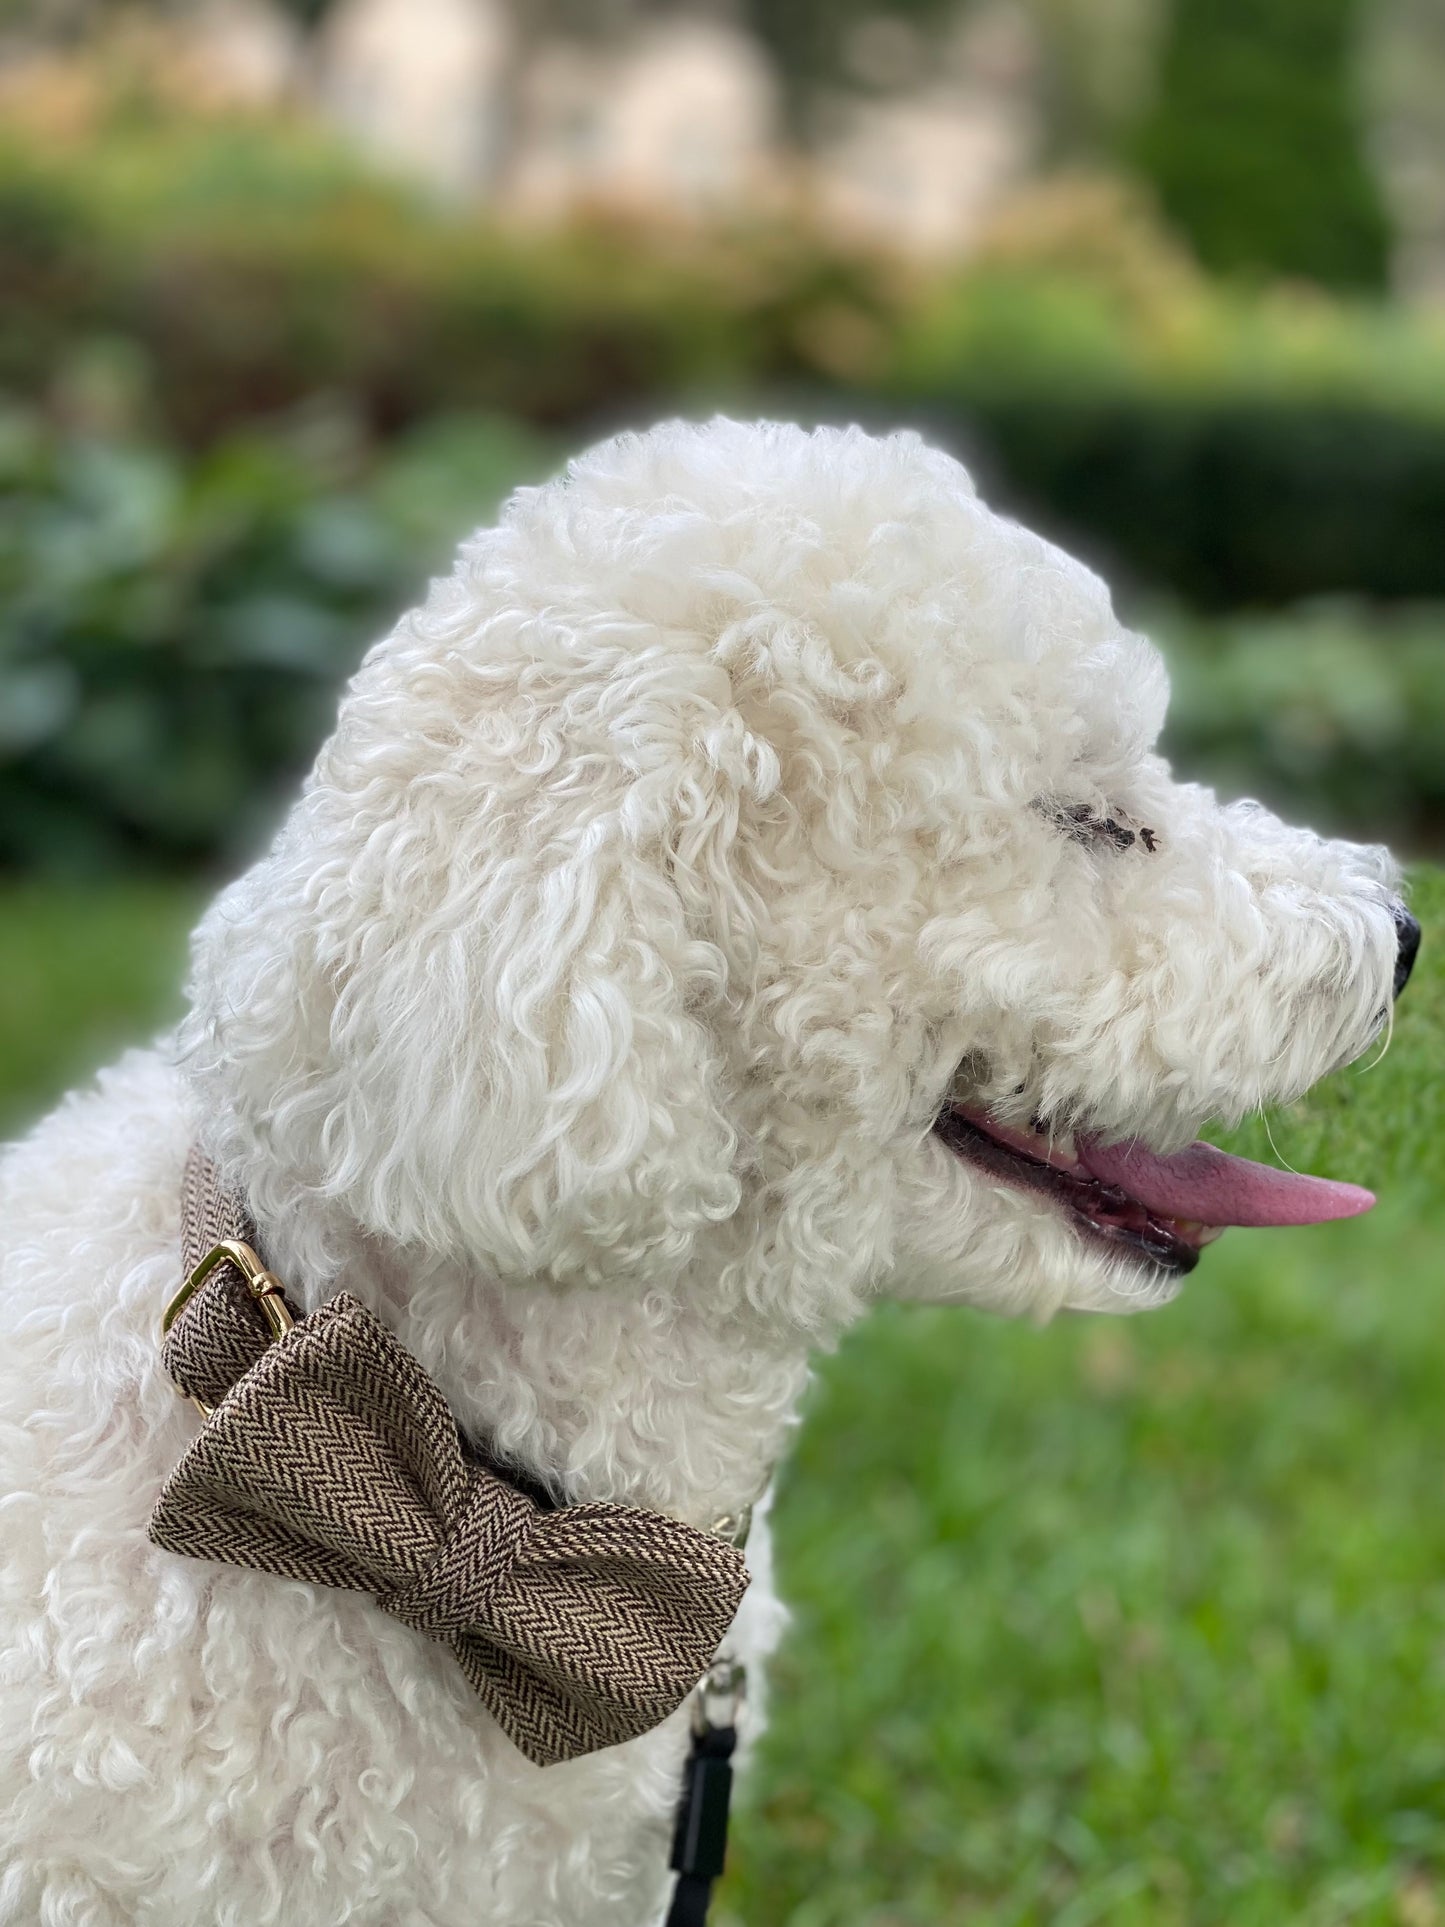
474,1560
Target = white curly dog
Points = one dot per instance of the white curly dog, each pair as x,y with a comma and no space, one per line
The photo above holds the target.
745,888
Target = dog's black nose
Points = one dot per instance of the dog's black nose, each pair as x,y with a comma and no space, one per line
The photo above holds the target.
1407,932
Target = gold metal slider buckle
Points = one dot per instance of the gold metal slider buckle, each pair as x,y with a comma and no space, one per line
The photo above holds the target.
264,1286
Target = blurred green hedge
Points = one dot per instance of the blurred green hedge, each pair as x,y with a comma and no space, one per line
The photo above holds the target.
174,629
1232,448
1225,502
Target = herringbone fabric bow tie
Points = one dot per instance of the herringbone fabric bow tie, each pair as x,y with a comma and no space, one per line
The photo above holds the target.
328,1454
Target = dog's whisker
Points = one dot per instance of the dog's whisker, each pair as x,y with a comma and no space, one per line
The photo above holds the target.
1384,1049
1269,1133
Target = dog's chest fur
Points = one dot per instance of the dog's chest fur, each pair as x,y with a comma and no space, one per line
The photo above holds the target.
189,1741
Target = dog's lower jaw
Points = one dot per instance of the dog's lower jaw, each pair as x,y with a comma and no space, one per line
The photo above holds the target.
967,1239
1096,1213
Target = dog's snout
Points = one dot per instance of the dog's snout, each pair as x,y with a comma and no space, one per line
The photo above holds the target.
1407,934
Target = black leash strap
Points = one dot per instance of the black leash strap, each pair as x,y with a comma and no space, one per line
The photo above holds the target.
699,1844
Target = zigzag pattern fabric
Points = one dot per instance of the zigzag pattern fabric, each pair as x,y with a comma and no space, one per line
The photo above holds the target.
331,1456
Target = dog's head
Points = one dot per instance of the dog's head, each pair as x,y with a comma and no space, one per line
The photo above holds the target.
750,873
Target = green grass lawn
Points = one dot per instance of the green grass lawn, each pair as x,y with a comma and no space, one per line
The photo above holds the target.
84,971
1139,1623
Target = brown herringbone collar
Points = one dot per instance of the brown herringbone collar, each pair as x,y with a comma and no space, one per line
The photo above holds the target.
327,1454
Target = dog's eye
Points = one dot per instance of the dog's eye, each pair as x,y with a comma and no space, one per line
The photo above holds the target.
1087,825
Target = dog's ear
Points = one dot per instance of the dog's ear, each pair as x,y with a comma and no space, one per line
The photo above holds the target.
486,1040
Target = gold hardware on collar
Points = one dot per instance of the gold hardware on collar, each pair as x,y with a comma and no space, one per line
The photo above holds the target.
734,1526
264,1286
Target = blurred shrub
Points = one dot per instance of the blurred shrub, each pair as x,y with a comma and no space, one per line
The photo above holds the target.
1330,714
248,298
1222,446
1223,502
1076,283
1233,448
173,630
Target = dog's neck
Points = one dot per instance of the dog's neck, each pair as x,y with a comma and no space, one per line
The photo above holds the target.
658,1400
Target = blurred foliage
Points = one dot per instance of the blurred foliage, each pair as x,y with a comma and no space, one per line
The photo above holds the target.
1090,59
1255,140
1332,714
817,46
254,264
1225,504
174,629
1075,284
269,394
1234,447
1402,80
1230,446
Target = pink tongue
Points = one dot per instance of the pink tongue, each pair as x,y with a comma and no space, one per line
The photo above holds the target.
1216,1188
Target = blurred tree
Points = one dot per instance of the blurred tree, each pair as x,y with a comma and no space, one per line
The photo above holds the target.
821,47
1405,83
1254,140
1096,55
1099,58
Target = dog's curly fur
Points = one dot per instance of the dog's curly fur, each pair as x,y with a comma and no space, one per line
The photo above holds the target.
733,798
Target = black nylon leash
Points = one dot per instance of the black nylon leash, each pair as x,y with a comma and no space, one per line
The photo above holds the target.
699,1842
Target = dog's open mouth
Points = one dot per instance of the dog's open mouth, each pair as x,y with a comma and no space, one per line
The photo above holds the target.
1142,1203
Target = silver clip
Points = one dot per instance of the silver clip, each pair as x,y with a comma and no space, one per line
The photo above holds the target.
721,1694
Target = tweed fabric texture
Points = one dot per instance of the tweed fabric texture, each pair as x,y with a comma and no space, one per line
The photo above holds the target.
331,1456
206,1354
